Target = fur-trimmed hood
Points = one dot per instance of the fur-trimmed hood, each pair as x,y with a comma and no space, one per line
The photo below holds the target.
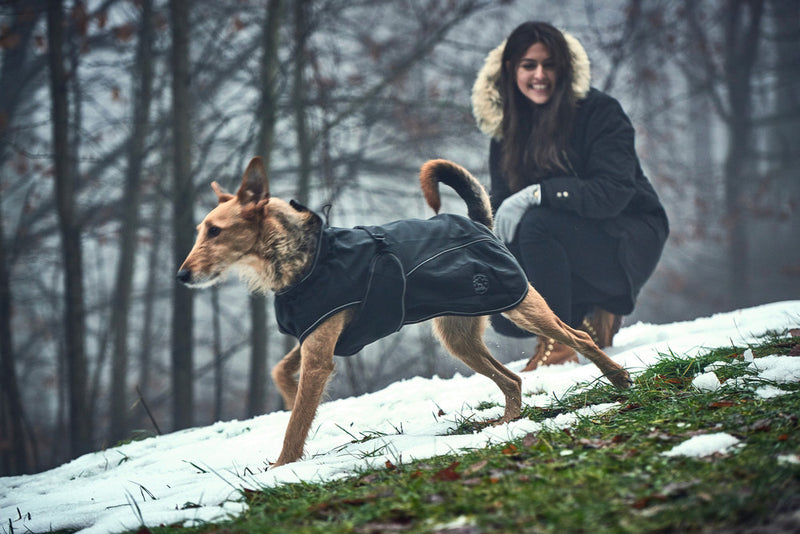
487,103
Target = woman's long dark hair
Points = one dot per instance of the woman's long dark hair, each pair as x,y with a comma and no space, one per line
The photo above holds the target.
535,137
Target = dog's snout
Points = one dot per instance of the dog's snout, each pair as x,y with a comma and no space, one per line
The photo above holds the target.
184,276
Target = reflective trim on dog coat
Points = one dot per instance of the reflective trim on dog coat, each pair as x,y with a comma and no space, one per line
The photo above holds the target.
401,273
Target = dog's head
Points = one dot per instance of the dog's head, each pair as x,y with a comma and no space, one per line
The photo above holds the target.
239,234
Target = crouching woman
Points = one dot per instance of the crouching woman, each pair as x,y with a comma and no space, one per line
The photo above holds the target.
568,191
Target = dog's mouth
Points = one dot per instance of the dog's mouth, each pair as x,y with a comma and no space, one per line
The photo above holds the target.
195,281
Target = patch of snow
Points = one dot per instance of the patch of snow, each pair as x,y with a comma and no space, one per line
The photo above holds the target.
705,445
780,369
792,459
706,382
768,392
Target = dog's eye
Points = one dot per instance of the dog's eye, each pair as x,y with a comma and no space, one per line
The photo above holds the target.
213,231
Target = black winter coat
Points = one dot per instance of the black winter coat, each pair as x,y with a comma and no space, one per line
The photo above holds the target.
606,184
400,273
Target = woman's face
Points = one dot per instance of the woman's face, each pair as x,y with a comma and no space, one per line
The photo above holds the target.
536,74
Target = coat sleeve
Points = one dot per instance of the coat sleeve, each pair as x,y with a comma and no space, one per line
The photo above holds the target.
609,166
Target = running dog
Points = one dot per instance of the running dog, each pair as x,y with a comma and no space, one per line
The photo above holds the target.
338,289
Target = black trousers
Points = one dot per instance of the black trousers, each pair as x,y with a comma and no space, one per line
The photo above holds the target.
571,261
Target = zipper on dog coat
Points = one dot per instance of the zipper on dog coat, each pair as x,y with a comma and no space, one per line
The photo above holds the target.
401,273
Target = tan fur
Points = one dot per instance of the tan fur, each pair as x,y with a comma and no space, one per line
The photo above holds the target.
271,244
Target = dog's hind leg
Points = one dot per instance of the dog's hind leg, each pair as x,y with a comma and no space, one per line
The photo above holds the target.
284,376
533,314
316,366
463,337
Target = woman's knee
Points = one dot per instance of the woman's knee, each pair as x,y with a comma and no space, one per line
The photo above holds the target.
535,225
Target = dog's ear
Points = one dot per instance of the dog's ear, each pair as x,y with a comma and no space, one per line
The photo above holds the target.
255,185
221,194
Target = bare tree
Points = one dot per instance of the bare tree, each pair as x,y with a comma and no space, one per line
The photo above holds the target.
742,24
13,457
74,328
257,396
182,218
775,201
302,30
733,101
16,457
142,83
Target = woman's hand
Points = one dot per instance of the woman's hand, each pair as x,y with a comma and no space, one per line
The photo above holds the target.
506,219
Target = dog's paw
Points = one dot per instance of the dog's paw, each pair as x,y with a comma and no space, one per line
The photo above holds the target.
278,463
620,378
503,420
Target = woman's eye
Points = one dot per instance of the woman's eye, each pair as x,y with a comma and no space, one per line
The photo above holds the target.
213,231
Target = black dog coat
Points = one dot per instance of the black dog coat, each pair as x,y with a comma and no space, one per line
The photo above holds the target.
401,273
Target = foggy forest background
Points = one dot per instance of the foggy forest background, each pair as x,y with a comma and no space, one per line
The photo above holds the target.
116,115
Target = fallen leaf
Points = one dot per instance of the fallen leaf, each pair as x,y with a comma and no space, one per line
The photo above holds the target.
448,473
722,404
656,434
474,468
530,440
368,479
703,496
762,425
678,489
645,501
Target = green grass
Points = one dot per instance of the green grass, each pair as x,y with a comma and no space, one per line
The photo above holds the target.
605,474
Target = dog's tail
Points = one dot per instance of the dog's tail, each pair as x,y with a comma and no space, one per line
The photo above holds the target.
467,186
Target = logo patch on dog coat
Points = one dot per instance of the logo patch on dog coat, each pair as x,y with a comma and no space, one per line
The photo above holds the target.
480,282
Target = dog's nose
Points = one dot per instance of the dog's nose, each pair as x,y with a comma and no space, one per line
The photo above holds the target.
184,276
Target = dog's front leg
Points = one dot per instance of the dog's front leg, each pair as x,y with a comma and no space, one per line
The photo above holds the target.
316,366
283,375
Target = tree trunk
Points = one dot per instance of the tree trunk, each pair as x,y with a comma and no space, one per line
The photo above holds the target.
302,10
786,14
259,337
701,142
778,265
79,420
742,32
182,218
216,344
14,458
304,143
151,295
143,81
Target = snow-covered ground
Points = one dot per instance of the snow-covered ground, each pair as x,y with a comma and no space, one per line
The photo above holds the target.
196,475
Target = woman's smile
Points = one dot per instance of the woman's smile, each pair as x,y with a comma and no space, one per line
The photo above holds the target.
536,76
